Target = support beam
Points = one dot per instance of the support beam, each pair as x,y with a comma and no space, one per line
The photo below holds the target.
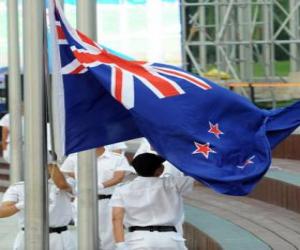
202,36
87,170
268,47
294,27
184,24
15,127
245,51
36,196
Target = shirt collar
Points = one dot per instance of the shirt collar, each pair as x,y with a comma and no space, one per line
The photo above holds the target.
141,178
106,154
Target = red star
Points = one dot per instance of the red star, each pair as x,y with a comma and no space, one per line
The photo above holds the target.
214,129
203,149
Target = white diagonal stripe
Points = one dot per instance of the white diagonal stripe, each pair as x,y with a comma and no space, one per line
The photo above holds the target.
127,89
70,67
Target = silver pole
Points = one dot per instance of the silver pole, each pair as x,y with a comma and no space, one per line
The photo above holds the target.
87,170
15,127
87,233
36,211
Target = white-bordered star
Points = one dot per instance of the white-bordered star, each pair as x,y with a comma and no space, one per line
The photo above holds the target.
203,149
214,129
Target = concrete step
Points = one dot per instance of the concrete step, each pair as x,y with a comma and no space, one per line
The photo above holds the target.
279,228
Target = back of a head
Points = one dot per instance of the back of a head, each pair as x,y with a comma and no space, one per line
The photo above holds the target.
146,164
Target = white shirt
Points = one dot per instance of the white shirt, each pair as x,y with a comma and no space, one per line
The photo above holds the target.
108,163
60,210
151,200
4,122
144,147
70,164
117,146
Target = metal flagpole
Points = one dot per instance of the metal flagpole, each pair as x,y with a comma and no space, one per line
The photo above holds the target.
36,211
87,170
15,127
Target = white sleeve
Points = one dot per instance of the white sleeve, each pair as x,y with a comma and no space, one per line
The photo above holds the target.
69,165
116,199
72,182
144,147
11,194
4,122
123,165
184,184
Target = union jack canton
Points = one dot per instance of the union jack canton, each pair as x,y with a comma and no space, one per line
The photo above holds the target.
161,79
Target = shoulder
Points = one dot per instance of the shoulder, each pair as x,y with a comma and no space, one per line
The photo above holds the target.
4,121
124,187
116,155
14,192
17,185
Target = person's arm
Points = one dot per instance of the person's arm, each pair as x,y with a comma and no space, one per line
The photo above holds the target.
117,178
5,132
9,208
70,174
184,184
58,178
118,229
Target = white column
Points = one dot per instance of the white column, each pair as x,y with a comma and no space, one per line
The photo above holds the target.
87,170
14,89
36,196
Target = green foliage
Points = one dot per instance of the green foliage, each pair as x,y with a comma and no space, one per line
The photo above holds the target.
282,68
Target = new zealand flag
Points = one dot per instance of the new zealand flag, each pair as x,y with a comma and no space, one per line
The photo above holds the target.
206,131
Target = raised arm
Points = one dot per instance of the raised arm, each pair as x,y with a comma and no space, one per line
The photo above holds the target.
5,132
58,178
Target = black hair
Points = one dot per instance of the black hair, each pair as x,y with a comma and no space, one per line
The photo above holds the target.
146,164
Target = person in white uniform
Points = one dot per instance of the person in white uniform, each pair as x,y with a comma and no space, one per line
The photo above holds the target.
69,168
119,147
4,123
149,207
112,168
60,211
169,170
